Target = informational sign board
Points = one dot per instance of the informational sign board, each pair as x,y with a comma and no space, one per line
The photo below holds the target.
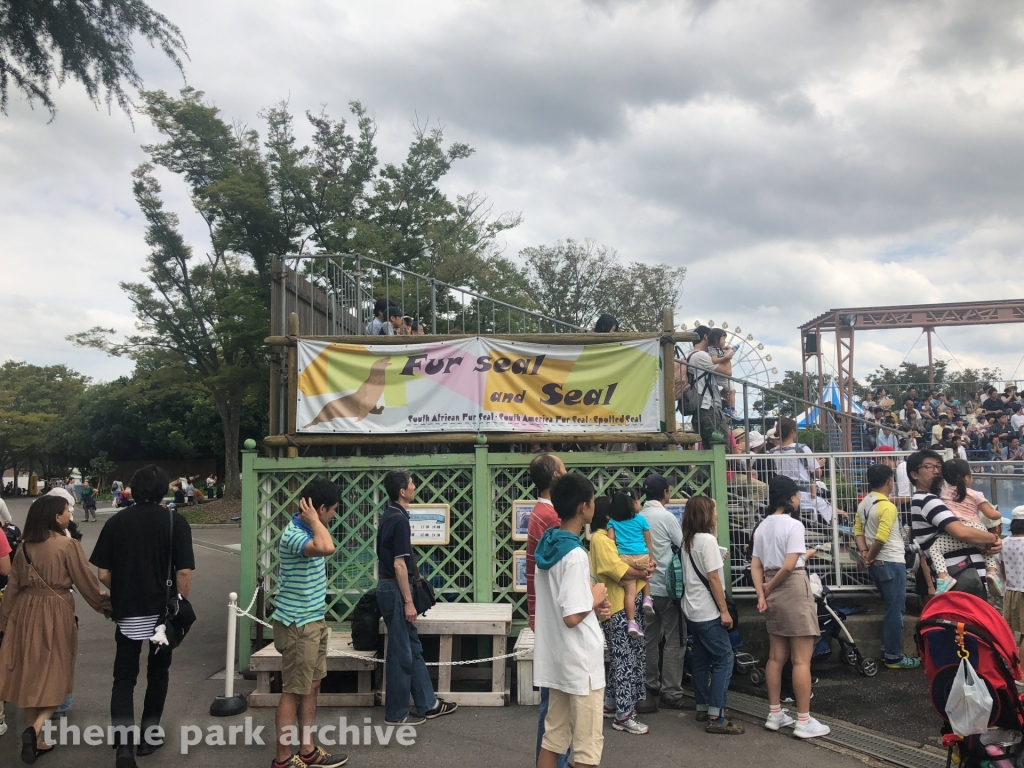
479,385
677,508
519,570
521,511
429,524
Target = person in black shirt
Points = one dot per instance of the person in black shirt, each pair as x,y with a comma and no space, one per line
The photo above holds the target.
132,555
405,671
993,402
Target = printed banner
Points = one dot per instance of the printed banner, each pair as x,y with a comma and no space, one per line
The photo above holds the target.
479,385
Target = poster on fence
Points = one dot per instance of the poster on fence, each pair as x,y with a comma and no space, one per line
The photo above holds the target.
479,385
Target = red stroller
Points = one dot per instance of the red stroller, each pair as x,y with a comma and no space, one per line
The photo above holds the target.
954,624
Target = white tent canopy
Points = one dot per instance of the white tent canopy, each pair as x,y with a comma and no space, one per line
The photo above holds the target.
831,397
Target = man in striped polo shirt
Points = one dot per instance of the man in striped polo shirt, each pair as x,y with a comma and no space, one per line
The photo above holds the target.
931,517
300,632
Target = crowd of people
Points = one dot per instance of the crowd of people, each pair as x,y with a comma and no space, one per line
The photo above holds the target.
389,320
986,427
45,564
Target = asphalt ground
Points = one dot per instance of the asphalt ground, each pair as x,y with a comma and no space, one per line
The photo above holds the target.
891,703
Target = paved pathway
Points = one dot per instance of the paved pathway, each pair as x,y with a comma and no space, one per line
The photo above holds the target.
495,737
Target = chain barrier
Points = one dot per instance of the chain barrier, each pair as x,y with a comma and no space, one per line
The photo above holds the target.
246,613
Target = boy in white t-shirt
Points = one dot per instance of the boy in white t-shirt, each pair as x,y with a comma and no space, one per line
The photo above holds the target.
568,655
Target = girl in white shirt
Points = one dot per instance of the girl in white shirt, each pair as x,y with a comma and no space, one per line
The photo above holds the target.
784,596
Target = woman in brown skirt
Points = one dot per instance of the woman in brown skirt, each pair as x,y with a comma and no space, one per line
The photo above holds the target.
784,596
37,618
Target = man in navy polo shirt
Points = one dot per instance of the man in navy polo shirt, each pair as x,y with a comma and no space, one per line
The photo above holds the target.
404,669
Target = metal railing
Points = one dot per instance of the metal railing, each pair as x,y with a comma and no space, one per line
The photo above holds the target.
346,286
760,408
1002,483
832,485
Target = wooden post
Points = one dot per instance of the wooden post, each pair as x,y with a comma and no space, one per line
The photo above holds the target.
669,363
293,381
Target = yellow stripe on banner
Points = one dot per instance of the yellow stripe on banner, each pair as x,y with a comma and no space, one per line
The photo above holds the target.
338,368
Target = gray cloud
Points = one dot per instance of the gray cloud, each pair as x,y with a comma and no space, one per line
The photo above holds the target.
795,156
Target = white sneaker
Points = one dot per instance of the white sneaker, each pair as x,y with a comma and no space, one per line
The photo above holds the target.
630,725
778,720
810,729
3,726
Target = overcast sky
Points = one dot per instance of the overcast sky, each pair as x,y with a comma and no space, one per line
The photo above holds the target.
793,156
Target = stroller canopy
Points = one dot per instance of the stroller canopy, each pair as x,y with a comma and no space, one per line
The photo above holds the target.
962,607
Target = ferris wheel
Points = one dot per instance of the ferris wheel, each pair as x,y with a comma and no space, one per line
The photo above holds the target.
751,363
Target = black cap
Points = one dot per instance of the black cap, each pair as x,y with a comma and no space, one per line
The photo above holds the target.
655,486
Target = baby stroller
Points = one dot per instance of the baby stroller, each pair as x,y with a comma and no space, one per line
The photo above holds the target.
743,663
832,626
957,625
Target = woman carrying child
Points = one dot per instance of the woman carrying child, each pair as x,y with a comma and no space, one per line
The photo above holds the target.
627,651
972,509
631,534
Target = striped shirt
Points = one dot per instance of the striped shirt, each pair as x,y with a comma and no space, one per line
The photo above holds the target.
930,517
138,627
302,582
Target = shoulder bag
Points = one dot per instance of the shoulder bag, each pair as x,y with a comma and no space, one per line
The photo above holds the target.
179,616
729,602
423,598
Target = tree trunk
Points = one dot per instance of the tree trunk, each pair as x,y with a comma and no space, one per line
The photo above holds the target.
230,410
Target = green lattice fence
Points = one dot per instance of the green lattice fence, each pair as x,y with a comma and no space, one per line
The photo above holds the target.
476,565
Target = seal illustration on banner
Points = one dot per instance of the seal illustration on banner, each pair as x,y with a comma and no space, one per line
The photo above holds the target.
475,384
359,404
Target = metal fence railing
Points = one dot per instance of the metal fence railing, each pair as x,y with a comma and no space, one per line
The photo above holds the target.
1002,482
343,287
832,485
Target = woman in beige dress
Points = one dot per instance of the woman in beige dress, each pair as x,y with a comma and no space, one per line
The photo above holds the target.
37,618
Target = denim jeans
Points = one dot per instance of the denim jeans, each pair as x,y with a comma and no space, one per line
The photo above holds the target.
712,664
891,580
405,672
126,673
563,760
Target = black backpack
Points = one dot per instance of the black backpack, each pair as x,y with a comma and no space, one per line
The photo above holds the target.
366,623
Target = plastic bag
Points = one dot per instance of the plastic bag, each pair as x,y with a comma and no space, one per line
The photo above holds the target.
969,705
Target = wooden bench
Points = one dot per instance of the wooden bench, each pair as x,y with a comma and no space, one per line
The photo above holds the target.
453,619
526,693
267,661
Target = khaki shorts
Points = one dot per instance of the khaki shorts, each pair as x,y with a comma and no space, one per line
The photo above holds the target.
1013,610
577,721
303,655
640,562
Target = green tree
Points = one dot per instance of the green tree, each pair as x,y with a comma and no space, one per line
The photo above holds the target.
783,393
205,317
86,40
577,281
102,468
35,402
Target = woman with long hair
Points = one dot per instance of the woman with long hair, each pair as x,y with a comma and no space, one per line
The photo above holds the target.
707,614
628,654
784,596
37,618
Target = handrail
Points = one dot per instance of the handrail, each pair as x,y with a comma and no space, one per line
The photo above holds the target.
436,283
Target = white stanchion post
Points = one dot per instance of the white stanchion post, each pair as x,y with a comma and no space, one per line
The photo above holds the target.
229,667
230,704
